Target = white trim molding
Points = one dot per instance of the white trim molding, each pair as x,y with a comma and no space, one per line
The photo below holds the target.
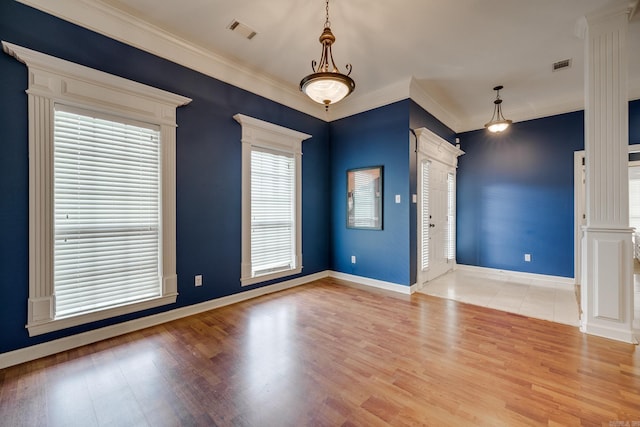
27,354
51,81
533,279
607,295
374,283
607,256
423,99
436,148
436,160
114,23
261,134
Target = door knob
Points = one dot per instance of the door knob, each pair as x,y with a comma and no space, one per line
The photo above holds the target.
432,225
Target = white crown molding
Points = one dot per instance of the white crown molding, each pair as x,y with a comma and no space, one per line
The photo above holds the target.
116,24
404,89
476,123
611,10
397,91
570,106
111,22
423,99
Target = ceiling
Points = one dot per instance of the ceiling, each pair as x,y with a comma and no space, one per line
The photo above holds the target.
449,53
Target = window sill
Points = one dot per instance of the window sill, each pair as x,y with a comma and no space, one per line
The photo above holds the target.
246,281
68,322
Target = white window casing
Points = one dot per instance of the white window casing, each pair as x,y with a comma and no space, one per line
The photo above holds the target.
271,213
56,83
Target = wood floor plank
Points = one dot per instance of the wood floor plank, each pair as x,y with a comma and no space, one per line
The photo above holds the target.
332,354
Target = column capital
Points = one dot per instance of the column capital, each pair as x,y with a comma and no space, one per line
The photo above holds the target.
612,12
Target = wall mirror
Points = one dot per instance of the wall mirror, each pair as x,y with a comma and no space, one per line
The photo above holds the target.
364,198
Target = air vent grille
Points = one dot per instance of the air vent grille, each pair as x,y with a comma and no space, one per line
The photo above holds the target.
242,29
561,65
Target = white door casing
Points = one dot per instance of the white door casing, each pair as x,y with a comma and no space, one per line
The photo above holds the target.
441,159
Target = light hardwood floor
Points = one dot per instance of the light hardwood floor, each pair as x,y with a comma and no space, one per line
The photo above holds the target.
327,354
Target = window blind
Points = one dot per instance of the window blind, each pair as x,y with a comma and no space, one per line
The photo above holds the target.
451,217
426,220
364,196
272,211
106,211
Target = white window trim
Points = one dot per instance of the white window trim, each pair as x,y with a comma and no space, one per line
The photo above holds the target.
258,133
53,80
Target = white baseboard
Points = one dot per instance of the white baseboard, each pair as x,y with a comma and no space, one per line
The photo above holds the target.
389,286
611,333
67,343
557,282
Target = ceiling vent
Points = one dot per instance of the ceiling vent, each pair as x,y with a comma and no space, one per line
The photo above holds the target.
242,29
561,65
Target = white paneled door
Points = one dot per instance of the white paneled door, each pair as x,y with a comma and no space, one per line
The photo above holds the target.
437,162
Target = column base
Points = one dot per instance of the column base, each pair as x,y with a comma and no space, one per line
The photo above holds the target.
607,284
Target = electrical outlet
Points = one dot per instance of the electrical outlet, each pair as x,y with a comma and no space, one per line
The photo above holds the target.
353,259
397,198
527,257
198,280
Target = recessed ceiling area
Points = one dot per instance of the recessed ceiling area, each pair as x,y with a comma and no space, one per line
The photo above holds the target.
453,52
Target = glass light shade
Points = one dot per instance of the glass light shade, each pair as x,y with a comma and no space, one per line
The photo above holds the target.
498,126
327,88
497,123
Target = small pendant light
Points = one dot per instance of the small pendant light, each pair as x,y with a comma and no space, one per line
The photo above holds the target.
497,123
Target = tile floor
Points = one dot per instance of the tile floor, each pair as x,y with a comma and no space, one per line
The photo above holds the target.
557,305
547,303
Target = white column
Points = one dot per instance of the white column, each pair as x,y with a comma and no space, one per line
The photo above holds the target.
41,302
607,268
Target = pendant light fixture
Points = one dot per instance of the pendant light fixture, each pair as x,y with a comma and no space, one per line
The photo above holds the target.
497,123
326,85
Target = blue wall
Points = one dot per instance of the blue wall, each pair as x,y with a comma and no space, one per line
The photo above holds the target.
380,137
515,191
515,196
375,137
208,166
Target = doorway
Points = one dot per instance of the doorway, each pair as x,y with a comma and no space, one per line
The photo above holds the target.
437,161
